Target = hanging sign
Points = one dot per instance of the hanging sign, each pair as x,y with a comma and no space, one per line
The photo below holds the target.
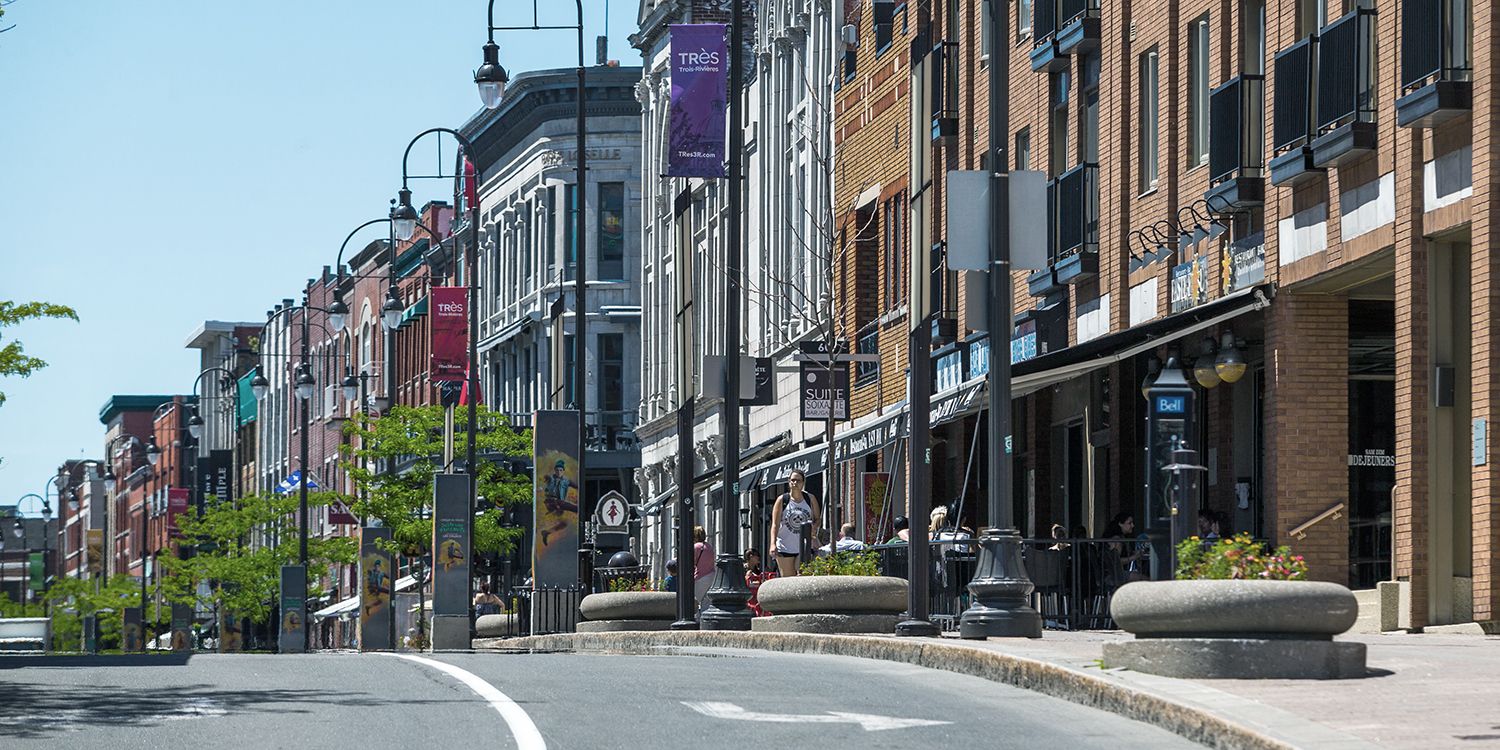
450,328
179,502
699,69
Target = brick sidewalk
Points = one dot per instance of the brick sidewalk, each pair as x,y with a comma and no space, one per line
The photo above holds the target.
1426,691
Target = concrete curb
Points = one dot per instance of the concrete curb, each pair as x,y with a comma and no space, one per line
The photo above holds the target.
1058,681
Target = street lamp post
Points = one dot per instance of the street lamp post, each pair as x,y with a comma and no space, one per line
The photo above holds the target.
1000,605
491,80
109,486
729,595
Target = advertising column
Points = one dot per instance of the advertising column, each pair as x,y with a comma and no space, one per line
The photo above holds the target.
554,556
293,638
450,564
375,625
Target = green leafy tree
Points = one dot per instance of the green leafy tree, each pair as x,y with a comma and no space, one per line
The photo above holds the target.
72,598
239,549
403,501
13,359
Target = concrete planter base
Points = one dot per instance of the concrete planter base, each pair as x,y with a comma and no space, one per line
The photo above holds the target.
497,626
630,605
839,595
1239,658
1236,629
819,623
615,626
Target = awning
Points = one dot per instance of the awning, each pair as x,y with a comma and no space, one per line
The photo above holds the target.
405,582
417,310
1066,364
872,436
809,460
956,402
347,605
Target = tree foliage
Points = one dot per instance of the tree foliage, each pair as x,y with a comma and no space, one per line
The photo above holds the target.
71,598
403,500
13,359
239,549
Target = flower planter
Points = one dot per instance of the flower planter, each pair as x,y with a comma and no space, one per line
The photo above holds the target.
627,610
1251,629
831,604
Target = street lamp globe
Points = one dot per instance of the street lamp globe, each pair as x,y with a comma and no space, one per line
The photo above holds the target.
491,78
350,387
195,424
46,512
391,311
259,385
338,315
1231,362
305,384
109,479
404,217
1204,369
73,500
153,453
19,529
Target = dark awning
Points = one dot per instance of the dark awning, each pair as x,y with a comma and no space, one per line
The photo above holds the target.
1066,364
810,460
871,437
956,402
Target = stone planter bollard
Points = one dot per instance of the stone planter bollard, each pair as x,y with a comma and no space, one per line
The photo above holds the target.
831,604
497,626
1244,629
627,610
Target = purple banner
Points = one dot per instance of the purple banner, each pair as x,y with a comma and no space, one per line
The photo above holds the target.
450,328
700,65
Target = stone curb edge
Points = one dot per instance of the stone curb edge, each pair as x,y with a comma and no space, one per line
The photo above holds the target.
1054,680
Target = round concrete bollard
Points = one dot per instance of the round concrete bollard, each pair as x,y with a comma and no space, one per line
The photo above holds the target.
833,595
1211,607
496,626
630,605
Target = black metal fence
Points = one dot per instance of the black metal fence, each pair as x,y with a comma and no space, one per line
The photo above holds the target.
1073,578
555,609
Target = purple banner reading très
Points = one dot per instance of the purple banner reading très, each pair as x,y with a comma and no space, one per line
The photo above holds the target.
700,65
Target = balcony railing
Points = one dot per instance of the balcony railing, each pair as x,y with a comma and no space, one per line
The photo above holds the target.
1345,89
1043,21
1069,11
1074,199
1236,113
611,431
1429,48
1293,70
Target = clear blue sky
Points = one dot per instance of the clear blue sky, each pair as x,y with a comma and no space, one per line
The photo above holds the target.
166,163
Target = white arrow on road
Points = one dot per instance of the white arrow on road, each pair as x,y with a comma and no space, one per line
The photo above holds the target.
870,722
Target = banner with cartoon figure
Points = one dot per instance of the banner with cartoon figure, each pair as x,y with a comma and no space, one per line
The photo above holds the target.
450,545
557,499
130,630
375,589
231,637
182,627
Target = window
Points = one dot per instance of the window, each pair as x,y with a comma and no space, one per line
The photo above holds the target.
1091,109
895,267
611,230
569,351
551,247
1310,17
1058,161
527,252
884,13
1198,91
570,232
1023,149
1253,37
1023,20
611,396
1148,121
984,31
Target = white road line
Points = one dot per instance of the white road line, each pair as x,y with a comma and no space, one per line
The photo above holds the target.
521,727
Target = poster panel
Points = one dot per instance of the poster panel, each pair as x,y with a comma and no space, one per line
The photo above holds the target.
375,590
182,627
557,498
96,550
700,66
130,630
875,486
450,328
231,637
293,638
450,544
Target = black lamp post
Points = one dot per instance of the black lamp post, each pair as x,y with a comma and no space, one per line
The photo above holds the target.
1001,591
491,80
729,596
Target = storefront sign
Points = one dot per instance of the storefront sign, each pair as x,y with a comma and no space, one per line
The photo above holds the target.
450,327
979,358
699,69
869,438
1023,344
950,371
1189,285
956,404
816,390
1243,263
809,462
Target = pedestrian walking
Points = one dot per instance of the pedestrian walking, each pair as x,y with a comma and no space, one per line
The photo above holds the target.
703,564
793,508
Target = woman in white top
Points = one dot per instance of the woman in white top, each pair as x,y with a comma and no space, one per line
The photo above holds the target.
793,508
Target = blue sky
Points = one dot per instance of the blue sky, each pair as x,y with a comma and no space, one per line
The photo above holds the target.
165,163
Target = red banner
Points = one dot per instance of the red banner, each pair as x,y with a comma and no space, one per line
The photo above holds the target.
179,502
450,327
338,512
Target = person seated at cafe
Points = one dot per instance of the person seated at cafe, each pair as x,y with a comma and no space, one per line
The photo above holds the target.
903,531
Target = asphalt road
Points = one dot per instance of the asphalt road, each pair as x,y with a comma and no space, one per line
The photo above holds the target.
691,700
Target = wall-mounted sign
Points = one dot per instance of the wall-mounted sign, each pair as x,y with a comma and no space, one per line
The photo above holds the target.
979,358
1023,344
1243,263
817,386
1189,285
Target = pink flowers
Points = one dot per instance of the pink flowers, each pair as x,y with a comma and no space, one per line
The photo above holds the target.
1237,558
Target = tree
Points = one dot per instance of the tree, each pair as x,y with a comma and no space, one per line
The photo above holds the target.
402,501
72,598
13,360
240,547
